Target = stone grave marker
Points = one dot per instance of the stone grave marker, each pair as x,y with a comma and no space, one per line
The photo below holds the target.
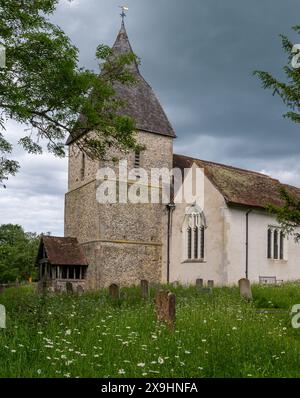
144,288
165,305
114,291
199,283
69,287
245,288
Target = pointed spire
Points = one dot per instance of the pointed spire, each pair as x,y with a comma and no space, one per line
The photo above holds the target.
122,46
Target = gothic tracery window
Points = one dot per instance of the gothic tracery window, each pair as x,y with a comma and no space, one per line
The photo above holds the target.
275,244
194,230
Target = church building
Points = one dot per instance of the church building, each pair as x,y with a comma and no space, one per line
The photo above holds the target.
223,235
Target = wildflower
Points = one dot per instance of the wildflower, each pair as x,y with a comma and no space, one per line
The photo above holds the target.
121,372
203,340
39,371
234,328
160,360
141,365
187,352
68,332
12,350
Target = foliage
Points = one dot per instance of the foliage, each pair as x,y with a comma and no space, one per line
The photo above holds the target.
18,251
43,87
218,335
288,215
289,91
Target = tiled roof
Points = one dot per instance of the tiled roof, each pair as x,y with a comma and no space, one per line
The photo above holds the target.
239,186
62,251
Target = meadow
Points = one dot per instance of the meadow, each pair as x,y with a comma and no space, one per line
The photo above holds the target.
217,335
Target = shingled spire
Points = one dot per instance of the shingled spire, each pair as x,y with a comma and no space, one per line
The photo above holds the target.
140,101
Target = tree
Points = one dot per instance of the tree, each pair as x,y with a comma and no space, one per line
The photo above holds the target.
287,215
42,87
18,251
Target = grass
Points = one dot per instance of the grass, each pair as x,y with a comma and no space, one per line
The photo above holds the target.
218,335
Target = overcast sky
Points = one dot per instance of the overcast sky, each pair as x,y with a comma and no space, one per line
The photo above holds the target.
198,55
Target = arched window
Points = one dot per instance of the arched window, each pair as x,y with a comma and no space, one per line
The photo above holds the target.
189,242
281,245
194,229
275,244
269,243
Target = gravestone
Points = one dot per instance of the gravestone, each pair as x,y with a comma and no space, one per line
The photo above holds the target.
205,290
2,317
245,288
144,289
114,291
2,288
210,283
165,305
199,283
69,287
80,290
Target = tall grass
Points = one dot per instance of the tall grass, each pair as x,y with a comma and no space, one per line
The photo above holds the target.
217,335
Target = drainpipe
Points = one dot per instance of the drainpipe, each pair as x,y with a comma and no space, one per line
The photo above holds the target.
247,240
170,208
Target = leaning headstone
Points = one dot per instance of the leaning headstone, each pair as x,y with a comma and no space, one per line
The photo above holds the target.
165,305
114,291
210,283
245,288
69,287
199,283
144,289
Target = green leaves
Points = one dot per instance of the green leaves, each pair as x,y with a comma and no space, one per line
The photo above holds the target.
43,87
17,253
287,215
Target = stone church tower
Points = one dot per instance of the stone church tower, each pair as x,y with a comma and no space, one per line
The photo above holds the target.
123,243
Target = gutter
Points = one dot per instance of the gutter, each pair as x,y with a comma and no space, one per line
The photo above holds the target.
247,242
170,208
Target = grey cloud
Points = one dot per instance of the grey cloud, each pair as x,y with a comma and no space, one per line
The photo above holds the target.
198,55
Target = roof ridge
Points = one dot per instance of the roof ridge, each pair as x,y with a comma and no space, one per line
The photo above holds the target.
228,166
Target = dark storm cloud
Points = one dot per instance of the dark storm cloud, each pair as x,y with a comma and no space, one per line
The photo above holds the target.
198,55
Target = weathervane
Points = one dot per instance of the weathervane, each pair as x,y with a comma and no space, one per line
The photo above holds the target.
123,8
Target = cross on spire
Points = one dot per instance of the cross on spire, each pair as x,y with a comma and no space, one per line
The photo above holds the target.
123,14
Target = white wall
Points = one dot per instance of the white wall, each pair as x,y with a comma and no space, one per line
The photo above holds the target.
214,267
225,245
258,263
